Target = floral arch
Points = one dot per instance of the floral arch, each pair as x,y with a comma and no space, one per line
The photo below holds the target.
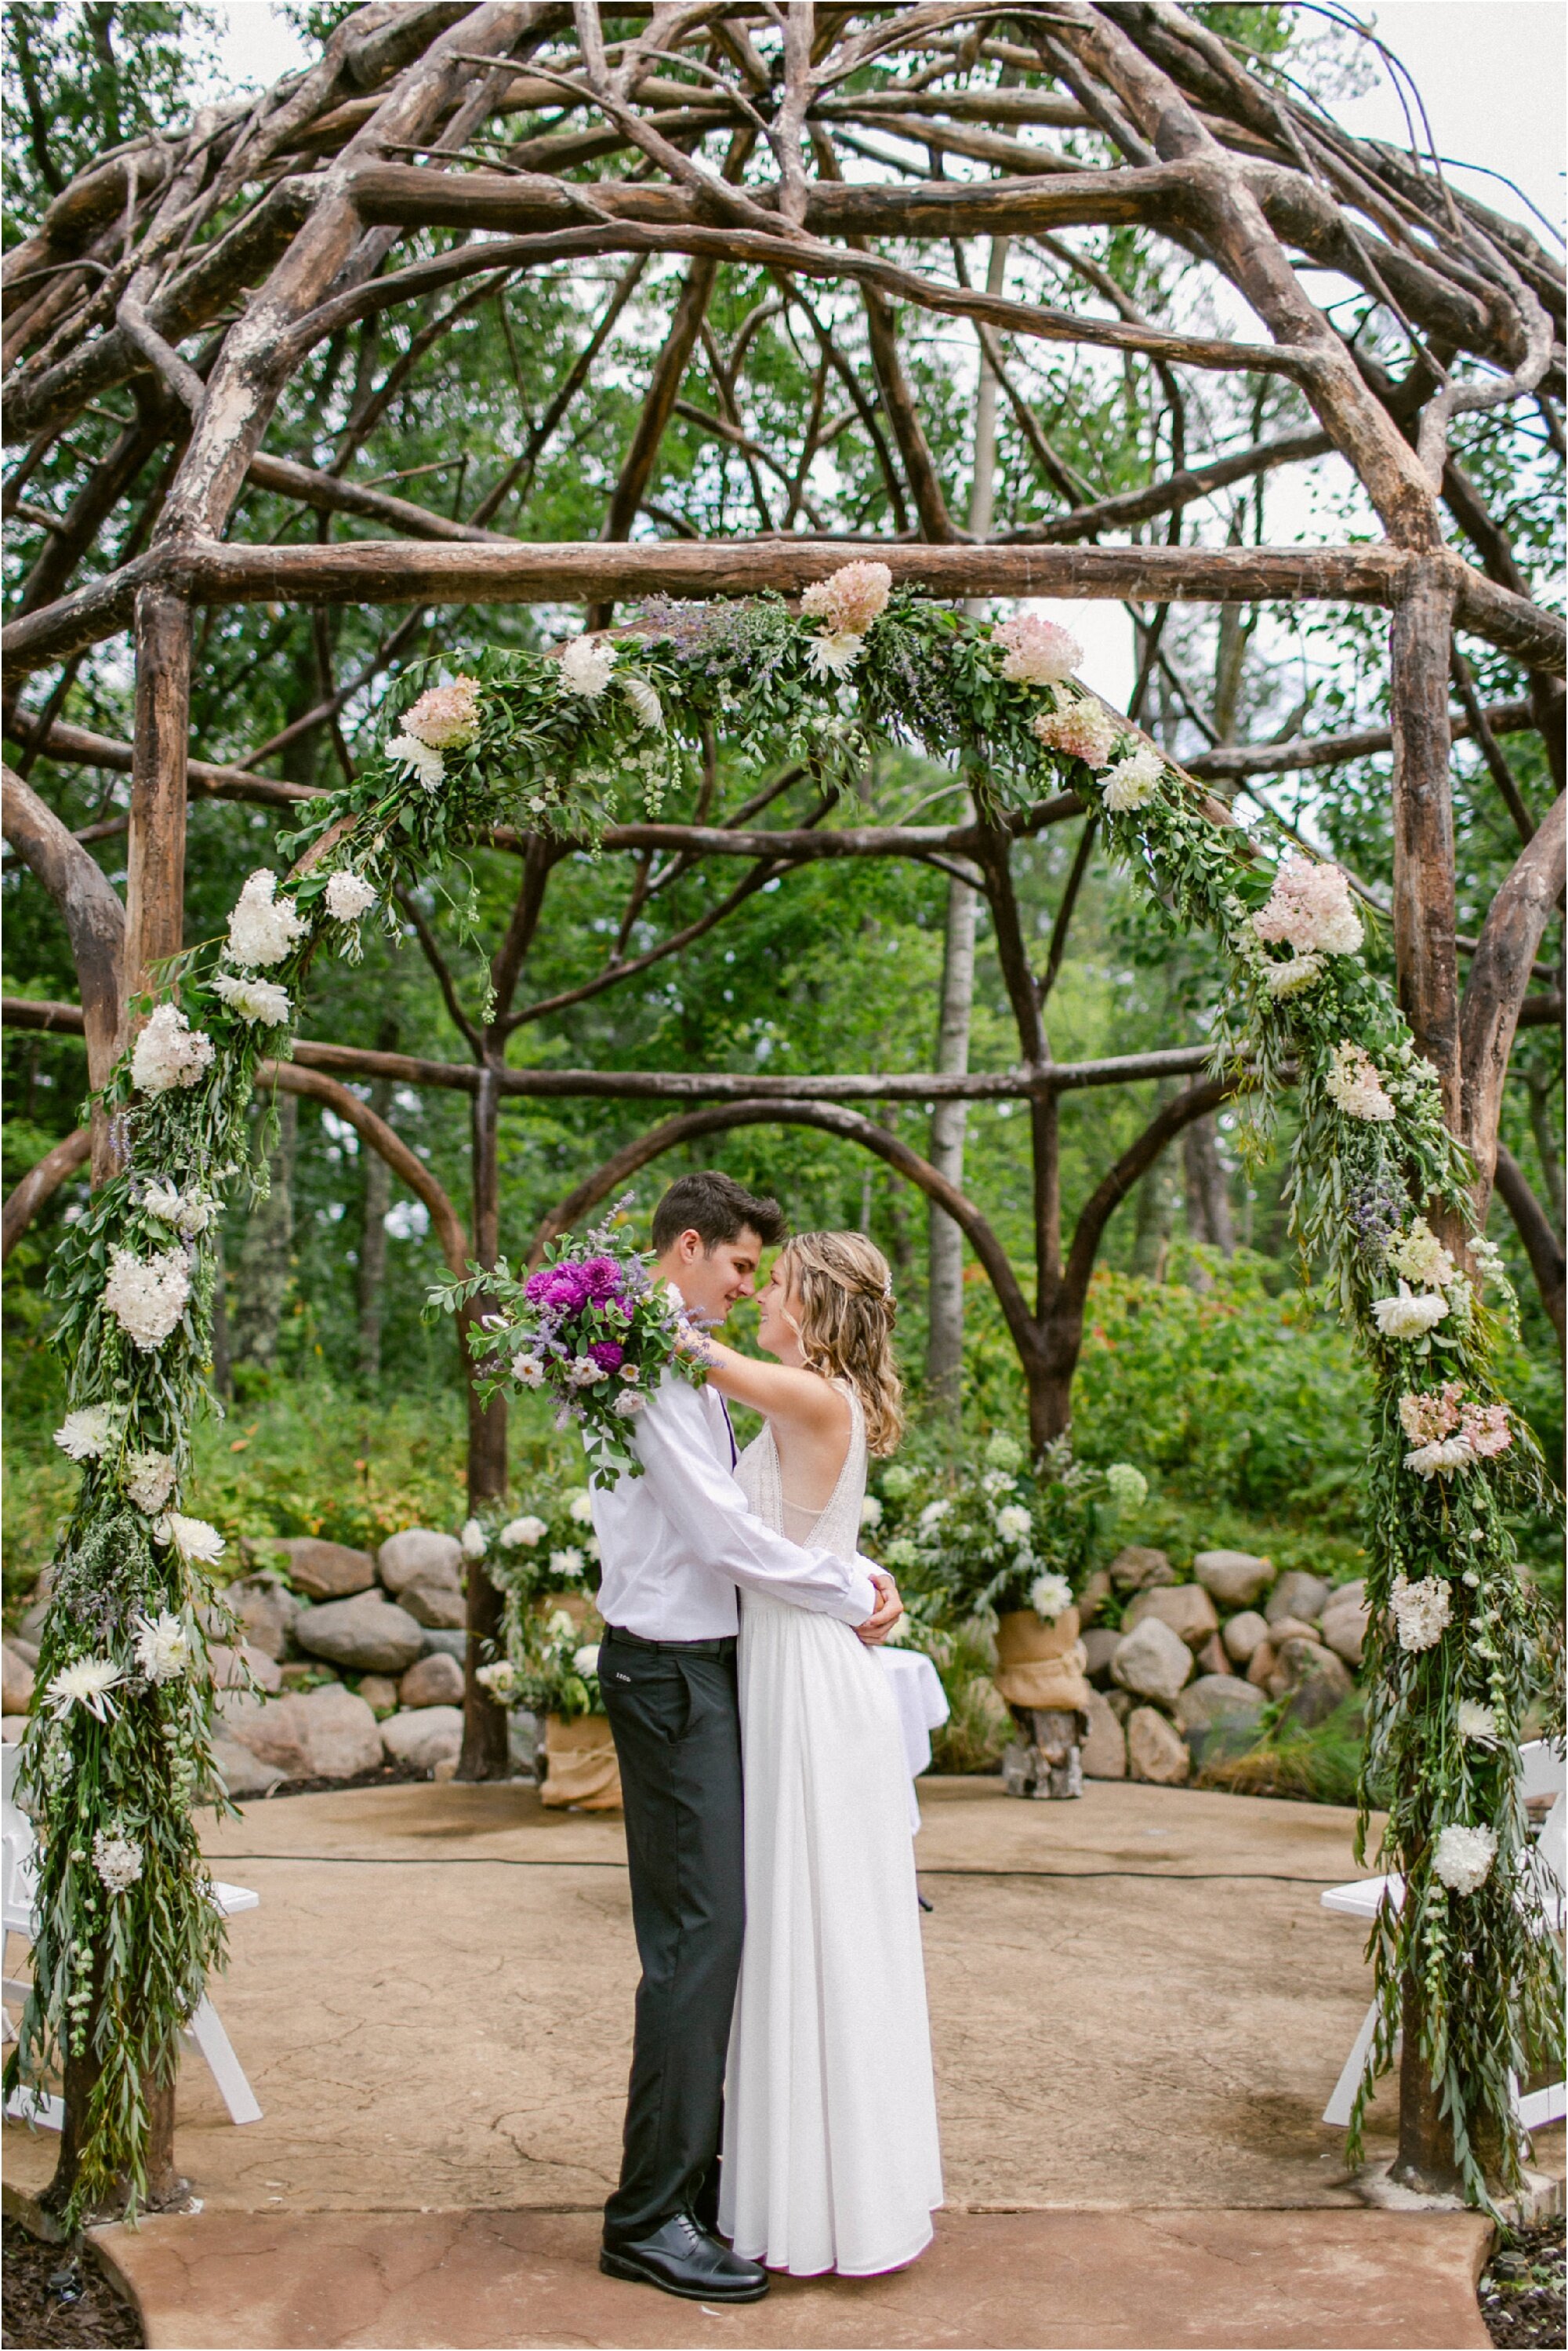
119,1749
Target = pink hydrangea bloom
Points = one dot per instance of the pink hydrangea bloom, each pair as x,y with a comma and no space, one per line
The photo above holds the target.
445,716
1485,1428
1084,730
1427,1419
1036,652
1310,909
849,602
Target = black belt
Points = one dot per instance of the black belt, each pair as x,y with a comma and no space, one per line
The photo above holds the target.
723,1647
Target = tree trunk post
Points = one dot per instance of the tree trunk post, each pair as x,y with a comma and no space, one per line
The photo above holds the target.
155,864
486,1754
1424,945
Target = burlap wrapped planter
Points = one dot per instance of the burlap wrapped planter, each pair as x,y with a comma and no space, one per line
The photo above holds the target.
580,1768
1041,1664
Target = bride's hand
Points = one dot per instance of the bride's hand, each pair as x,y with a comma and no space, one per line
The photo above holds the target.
889,1609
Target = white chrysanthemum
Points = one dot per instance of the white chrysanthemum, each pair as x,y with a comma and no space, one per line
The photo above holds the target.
349,896
168,1052
87,1433
630,1403
147,1296
185,1212
198,1544
420,760
263,927
870,1510
1477,1723
1132,782
1421,1611
473,1540
1462,1857
1352,1082
149,1480
260,1001
1290,977
567,1562
1013,1522
586,665
834,654
527,1371
934,1513
579,1506
1420,1256
1127,1486
500,1679
586,1659
118,1861
649,710
1408,1316
1050,1595
162,1646
1441,1458
523,1534
90,1683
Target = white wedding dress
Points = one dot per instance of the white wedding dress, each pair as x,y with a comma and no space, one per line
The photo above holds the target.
831,2156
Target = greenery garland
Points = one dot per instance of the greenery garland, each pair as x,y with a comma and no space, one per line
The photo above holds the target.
119,1749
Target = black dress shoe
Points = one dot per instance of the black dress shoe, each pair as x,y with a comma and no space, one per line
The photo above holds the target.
680,2258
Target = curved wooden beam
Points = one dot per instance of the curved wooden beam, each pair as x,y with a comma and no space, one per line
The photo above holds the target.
41,1181
404,1164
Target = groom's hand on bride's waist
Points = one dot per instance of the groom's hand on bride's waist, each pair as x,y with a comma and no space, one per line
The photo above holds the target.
889,1609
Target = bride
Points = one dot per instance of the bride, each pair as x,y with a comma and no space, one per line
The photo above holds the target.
831,2157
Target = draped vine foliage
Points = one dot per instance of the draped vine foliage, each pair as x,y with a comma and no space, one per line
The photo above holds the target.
119,1749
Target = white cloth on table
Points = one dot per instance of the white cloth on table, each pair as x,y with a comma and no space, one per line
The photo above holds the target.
922,1704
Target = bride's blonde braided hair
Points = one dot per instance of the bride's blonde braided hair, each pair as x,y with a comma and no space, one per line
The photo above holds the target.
845,1314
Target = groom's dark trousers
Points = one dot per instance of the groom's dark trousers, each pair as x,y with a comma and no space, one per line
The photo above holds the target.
676,1723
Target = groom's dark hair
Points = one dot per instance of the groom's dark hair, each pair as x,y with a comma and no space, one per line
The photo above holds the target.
717,1207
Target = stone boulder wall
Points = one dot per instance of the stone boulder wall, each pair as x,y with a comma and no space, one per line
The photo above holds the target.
434,1681
1233,1579
1344,1623
319,1734
324,1570
1152,1662
244,1775
232,1666
419,1550
19,1682
1217,1714
1155,1751
368,1635
1101,1644
434,1600
266,1610
379,1692
1187,1608
1310,1679
1298,1594
1103,1753
1243,1634
1138,1567
423,1737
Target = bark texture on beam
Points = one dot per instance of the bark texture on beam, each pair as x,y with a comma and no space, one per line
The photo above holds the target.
1500,974
40,1183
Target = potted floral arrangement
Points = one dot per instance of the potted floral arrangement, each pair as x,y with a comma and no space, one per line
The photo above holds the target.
547,1658
1016,1542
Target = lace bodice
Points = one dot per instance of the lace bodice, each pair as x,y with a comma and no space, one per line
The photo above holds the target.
836,1526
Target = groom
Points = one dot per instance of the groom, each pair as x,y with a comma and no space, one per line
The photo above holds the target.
674,1543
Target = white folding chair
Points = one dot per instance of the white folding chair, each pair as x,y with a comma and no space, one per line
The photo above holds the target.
1542,1775
18,1875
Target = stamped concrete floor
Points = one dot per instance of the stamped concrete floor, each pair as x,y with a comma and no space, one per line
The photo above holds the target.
1138,2007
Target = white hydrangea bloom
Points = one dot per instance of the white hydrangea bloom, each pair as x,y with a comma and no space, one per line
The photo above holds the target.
586,1659
934,1513
147,1296
1127,1486
1352,1081
349,896
263,927
1002,1452
1421,1611
1420,1256
579,1506
473,1540
117,1860
1462,1857
88,1683
1013,1522
162,1646
253,999
149,1480
1407,1316
168,1052
1477,1723
1050,1595
420,760
500,1679
87,1432
1132,782
524,1534
870,1510
197,1543
567,1562
586,665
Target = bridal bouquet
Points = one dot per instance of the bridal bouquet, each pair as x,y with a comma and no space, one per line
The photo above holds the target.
591,1328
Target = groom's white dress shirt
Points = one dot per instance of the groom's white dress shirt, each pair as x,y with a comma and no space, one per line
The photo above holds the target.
676,1543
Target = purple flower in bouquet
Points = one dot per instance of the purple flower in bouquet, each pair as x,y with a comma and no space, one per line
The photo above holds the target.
602,1278
608,1353
562,1287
